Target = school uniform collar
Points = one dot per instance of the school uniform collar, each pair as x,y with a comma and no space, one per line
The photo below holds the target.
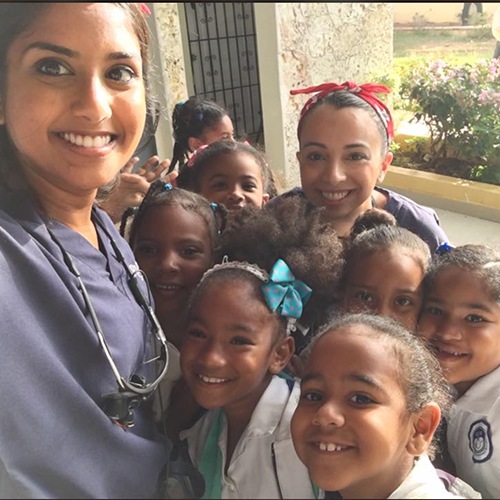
421,482
474,399
269,410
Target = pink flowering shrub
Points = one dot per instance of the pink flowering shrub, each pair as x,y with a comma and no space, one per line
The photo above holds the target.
461,107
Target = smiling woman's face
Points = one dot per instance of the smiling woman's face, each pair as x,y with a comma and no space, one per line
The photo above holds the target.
74,100
340,161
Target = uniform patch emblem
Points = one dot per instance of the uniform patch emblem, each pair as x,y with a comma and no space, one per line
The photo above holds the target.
480,441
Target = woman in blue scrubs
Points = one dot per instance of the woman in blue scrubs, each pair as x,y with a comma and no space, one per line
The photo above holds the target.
76,322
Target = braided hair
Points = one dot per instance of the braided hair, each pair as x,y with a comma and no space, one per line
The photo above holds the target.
163,194
482,260
190,119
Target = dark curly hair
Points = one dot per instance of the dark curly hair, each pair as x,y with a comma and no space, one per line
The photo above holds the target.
294,231
190,176
420,374
211,280
190,119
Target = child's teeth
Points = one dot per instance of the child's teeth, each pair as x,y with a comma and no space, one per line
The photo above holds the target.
212,380
330,447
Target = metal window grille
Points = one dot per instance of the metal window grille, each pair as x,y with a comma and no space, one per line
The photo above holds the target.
222,45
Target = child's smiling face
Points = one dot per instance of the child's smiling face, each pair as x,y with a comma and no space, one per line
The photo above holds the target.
173,247
461,320
235,180
230,349
387,282
351,427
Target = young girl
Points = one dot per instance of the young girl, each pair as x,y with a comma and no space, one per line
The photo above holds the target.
371,398
175,259
344,135
229,172
76,320
461,320
197,122
384,268
237,341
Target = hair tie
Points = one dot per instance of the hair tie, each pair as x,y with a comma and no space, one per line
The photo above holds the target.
167,187
220,214
192,159
445,247
144,8
366,91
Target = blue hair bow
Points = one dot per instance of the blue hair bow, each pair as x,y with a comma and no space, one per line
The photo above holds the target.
284,293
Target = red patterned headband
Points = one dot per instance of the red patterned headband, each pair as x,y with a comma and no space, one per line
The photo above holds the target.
365,91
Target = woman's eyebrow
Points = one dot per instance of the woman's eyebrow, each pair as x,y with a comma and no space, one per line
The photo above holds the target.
58,49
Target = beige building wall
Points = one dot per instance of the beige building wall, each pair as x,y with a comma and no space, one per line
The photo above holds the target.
436,12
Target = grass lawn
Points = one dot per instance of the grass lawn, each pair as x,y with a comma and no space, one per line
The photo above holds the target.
455,46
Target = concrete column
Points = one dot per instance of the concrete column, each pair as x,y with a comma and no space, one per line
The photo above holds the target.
169,81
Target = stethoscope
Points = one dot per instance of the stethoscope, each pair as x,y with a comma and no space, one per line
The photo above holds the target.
119,406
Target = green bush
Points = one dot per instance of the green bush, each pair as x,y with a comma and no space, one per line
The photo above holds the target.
461,107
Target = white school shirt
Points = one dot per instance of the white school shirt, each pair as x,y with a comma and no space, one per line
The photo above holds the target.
474,435
162,398
422,482
252,473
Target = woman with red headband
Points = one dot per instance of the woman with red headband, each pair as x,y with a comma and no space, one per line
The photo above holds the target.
344,133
